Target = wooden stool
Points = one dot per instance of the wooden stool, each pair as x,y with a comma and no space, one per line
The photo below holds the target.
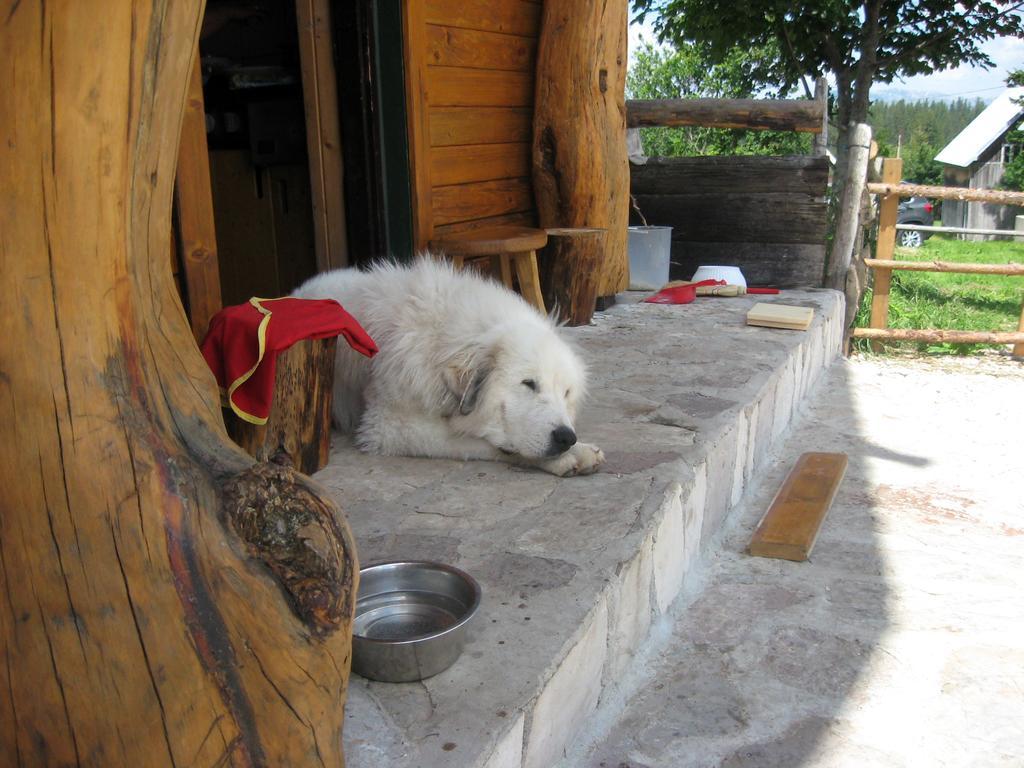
508,247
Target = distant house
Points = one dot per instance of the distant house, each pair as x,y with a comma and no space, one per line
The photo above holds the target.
976,158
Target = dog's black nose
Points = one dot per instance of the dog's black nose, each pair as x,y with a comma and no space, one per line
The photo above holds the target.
562,439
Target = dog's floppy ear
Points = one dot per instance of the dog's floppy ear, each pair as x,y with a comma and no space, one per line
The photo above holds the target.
466,374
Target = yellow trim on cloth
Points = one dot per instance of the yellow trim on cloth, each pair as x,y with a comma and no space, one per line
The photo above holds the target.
261,333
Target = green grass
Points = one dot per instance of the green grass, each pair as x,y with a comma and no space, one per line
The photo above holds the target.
949,301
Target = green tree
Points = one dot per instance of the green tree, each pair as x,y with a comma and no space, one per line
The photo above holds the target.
858,43
1013,174
664,72
919,165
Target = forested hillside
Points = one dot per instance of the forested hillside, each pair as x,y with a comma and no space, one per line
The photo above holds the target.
920,129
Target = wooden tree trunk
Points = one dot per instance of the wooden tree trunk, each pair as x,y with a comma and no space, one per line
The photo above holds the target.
570,267
300,419
163,601
580,164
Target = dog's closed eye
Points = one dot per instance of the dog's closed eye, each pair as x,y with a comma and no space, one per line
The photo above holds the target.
530,383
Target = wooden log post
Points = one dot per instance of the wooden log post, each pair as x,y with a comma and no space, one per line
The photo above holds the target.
1018,348
569,266
888,211
299,424
580,164
164,600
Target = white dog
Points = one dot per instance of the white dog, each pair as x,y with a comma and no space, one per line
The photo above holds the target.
466,369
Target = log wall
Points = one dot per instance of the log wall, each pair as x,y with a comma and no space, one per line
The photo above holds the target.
766,215
470,84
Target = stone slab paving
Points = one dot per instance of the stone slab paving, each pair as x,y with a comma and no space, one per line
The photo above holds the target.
685,401
901,642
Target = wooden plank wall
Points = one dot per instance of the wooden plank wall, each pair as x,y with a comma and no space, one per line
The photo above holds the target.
469,67
766,215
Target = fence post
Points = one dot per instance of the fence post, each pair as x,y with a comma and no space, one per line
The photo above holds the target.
1018,348
821,96
885,246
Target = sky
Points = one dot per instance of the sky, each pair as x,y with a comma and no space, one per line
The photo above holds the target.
963,82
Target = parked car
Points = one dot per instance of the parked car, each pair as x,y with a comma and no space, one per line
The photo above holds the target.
913,210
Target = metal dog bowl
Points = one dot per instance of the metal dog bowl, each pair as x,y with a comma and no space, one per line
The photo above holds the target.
411,619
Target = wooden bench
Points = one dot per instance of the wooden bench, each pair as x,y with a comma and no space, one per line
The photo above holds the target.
508,247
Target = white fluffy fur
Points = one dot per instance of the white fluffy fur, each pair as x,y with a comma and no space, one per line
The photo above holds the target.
455,351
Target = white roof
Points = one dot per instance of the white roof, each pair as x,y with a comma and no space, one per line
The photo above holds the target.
984,130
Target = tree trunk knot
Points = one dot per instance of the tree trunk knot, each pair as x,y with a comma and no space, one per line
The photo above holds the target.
295,533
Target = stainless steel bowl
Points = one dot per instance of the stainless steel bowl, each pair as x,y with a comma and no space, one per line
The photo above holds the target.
411,619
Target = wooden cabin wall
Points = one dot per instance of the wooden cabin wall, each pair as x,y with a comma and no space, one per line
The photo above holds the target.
470,80
766,215
986,173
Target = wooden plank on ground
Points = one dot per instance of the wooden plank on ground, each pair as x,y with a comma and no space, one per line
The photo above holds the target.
790,527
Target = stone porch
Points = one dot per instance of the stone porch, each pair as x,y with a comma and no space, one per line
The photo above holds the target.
686,402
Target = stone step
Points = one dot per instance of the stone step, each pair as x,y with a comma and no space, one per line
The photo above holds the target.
686,401
897,643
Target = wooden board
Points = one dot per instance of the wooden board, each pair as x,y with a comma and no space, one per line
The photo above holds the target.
779,265
511,17
480,162
323,132
780,316
718,174
196,236
521,219
462,202
790,527
454,126
466,87
450,47
738,217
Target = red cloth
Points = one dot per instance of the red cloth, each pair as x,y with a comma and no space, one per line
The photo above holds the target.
680,294
243,341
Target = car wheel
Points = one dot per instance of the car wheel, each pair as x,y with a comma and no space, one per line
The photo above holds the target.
909,238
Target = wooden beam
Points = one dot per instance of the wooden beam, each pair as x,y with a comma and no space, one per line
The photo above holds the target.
323,132
946,266
790,527
741,174
940,336
801,115
1004,197
959,230
196,237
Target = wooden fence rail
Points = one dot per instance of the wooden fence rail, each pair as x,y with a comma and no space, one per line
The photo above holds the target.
802,115
884,264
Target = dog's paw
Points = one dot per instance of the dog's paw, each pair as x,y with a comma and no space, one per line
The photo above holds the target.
581,459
